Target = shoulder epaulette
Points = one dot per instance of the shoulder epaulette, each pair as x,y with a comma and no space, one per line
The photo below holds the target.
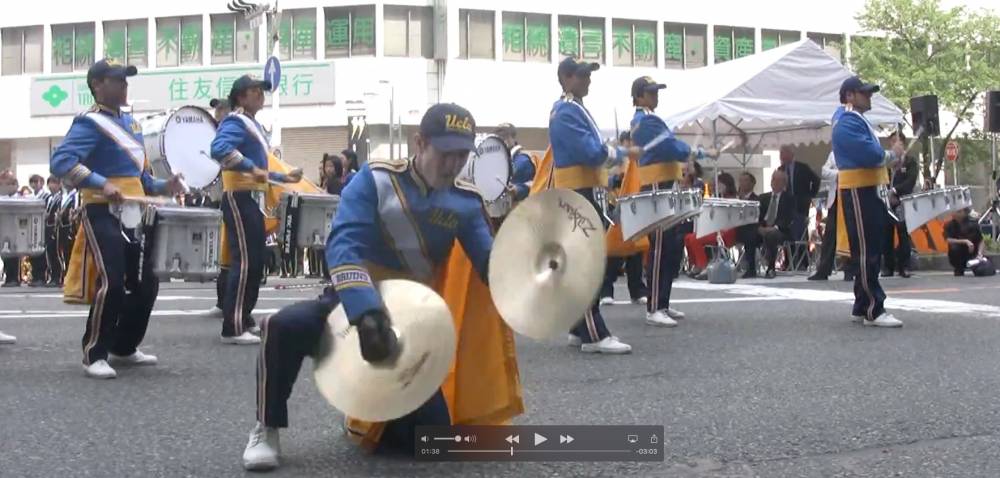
394,165
467,186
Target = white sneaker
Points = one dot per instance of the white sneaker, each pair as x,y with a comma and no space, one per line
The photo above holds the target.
263,449
675,314
885,320
608,345
607,300
254,330
857,319
213,313
7,339
640,300
660,319
137,358
246,338
573,341
100,369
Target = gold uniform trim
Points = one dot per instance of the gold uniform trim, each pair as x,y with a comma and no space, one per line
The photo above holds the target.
660,172
580,177
862,178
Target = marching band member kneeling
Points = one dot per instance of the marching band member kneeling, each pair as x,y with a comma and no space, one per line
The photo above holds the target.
398,219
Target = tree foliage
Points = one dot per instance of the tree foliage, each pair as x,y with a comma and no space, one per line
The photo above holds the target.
917,47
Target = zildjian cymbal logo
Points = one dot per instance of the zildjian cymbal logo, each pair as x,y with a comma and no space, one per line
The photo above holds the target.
579,220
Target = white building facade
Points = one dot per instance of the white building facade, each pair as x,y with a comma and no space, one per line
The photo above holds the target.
345,64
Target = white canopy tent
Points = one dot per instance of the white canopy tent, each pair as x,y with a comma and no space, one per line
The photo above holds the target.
782,96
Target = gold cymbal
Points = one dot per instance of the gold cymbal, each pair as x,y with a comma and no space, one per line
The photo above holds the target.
384,391
547,263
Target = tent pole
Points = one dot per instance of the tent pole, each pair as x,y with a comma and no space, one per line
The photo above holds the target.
715,145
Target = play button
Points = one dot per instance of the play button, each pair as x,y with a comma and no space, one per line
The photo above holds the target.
540,439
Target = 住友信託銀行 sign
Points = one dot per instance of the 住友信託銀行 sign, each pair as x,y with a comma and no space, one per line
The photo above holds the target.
154,90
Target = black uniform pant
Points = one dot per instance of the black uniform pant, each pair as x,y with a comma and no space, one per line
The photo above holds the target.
39,268
591,328
666,249
828,249
865,218
52,256
123,301
633,271
220,286
896,257
245,234
289,336
11,272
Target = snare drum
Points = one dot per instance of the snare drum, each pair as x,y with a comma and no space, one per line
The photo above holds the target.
181,142
306,218
649,211
186,243
22,227
920,208
489,168
720,214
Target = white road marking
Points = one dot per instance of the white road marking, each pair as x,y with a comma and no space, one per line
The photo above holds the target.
41,314
709,300
932,306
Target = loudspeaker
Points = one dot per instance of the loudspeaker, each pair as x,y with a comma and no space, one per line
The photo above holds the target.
924,111
992,123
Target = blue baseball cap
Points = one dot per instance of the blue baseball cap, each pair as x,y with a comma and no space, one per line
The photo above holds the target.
106,68
449,128
854,83
645,84
244,83
572,67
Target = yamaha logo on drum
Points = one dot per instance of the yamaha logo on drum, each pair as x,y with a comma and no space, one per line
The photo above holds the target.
188,119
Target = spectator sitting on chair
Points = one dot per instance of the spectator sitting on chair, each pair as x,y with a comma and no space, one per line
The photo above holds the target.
747,234
696,246
777,211
965,241
803,185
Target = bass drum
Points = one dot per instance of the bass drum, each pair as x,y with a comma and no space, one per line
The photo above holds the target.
180,142
489,168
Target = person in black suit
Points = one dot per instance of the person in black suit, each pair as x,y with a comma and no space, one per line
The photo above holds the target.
747,234
777,211
803,184
904,179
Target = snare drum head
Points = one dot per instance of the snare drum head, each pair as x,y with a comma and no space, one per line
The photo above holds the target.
187,141
489,167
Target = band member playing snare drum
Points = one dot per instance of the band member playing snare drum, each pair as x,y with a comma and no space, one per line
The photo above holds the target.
242,147
103,155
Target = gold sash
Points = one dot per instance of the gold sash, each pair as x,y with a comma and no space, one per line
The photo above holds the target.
661,172
580,177
81,272
852,179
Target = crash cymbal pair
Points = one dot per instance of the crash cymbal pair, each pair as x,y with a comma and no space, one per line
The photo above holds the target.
546,266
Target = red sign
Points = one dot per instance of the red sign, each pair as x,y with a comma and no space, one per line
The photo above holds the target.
951,151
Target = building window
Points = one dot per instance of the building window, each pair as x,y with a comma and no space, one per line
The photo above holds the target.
526,37
233,40
684,45
475,34
22,50
297,35
350,31
633,43
409,31
125,41
581,38
72,47
178,41
731,42
774,38
832,44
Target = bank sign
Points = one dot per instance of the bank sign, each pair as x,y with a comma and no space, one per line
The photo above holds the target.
163,89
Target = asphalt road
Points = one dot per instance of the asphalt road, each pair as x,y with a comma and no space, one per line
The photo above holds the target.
765,378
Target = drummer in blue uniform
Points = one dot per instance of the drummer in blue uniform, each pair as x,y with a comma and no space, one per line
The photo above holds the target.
862,163
659,168
398,218
103,155
242,147
522,164
582,160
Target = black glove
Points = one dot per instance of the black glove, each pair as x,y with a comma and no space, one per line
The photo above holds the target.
378,340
